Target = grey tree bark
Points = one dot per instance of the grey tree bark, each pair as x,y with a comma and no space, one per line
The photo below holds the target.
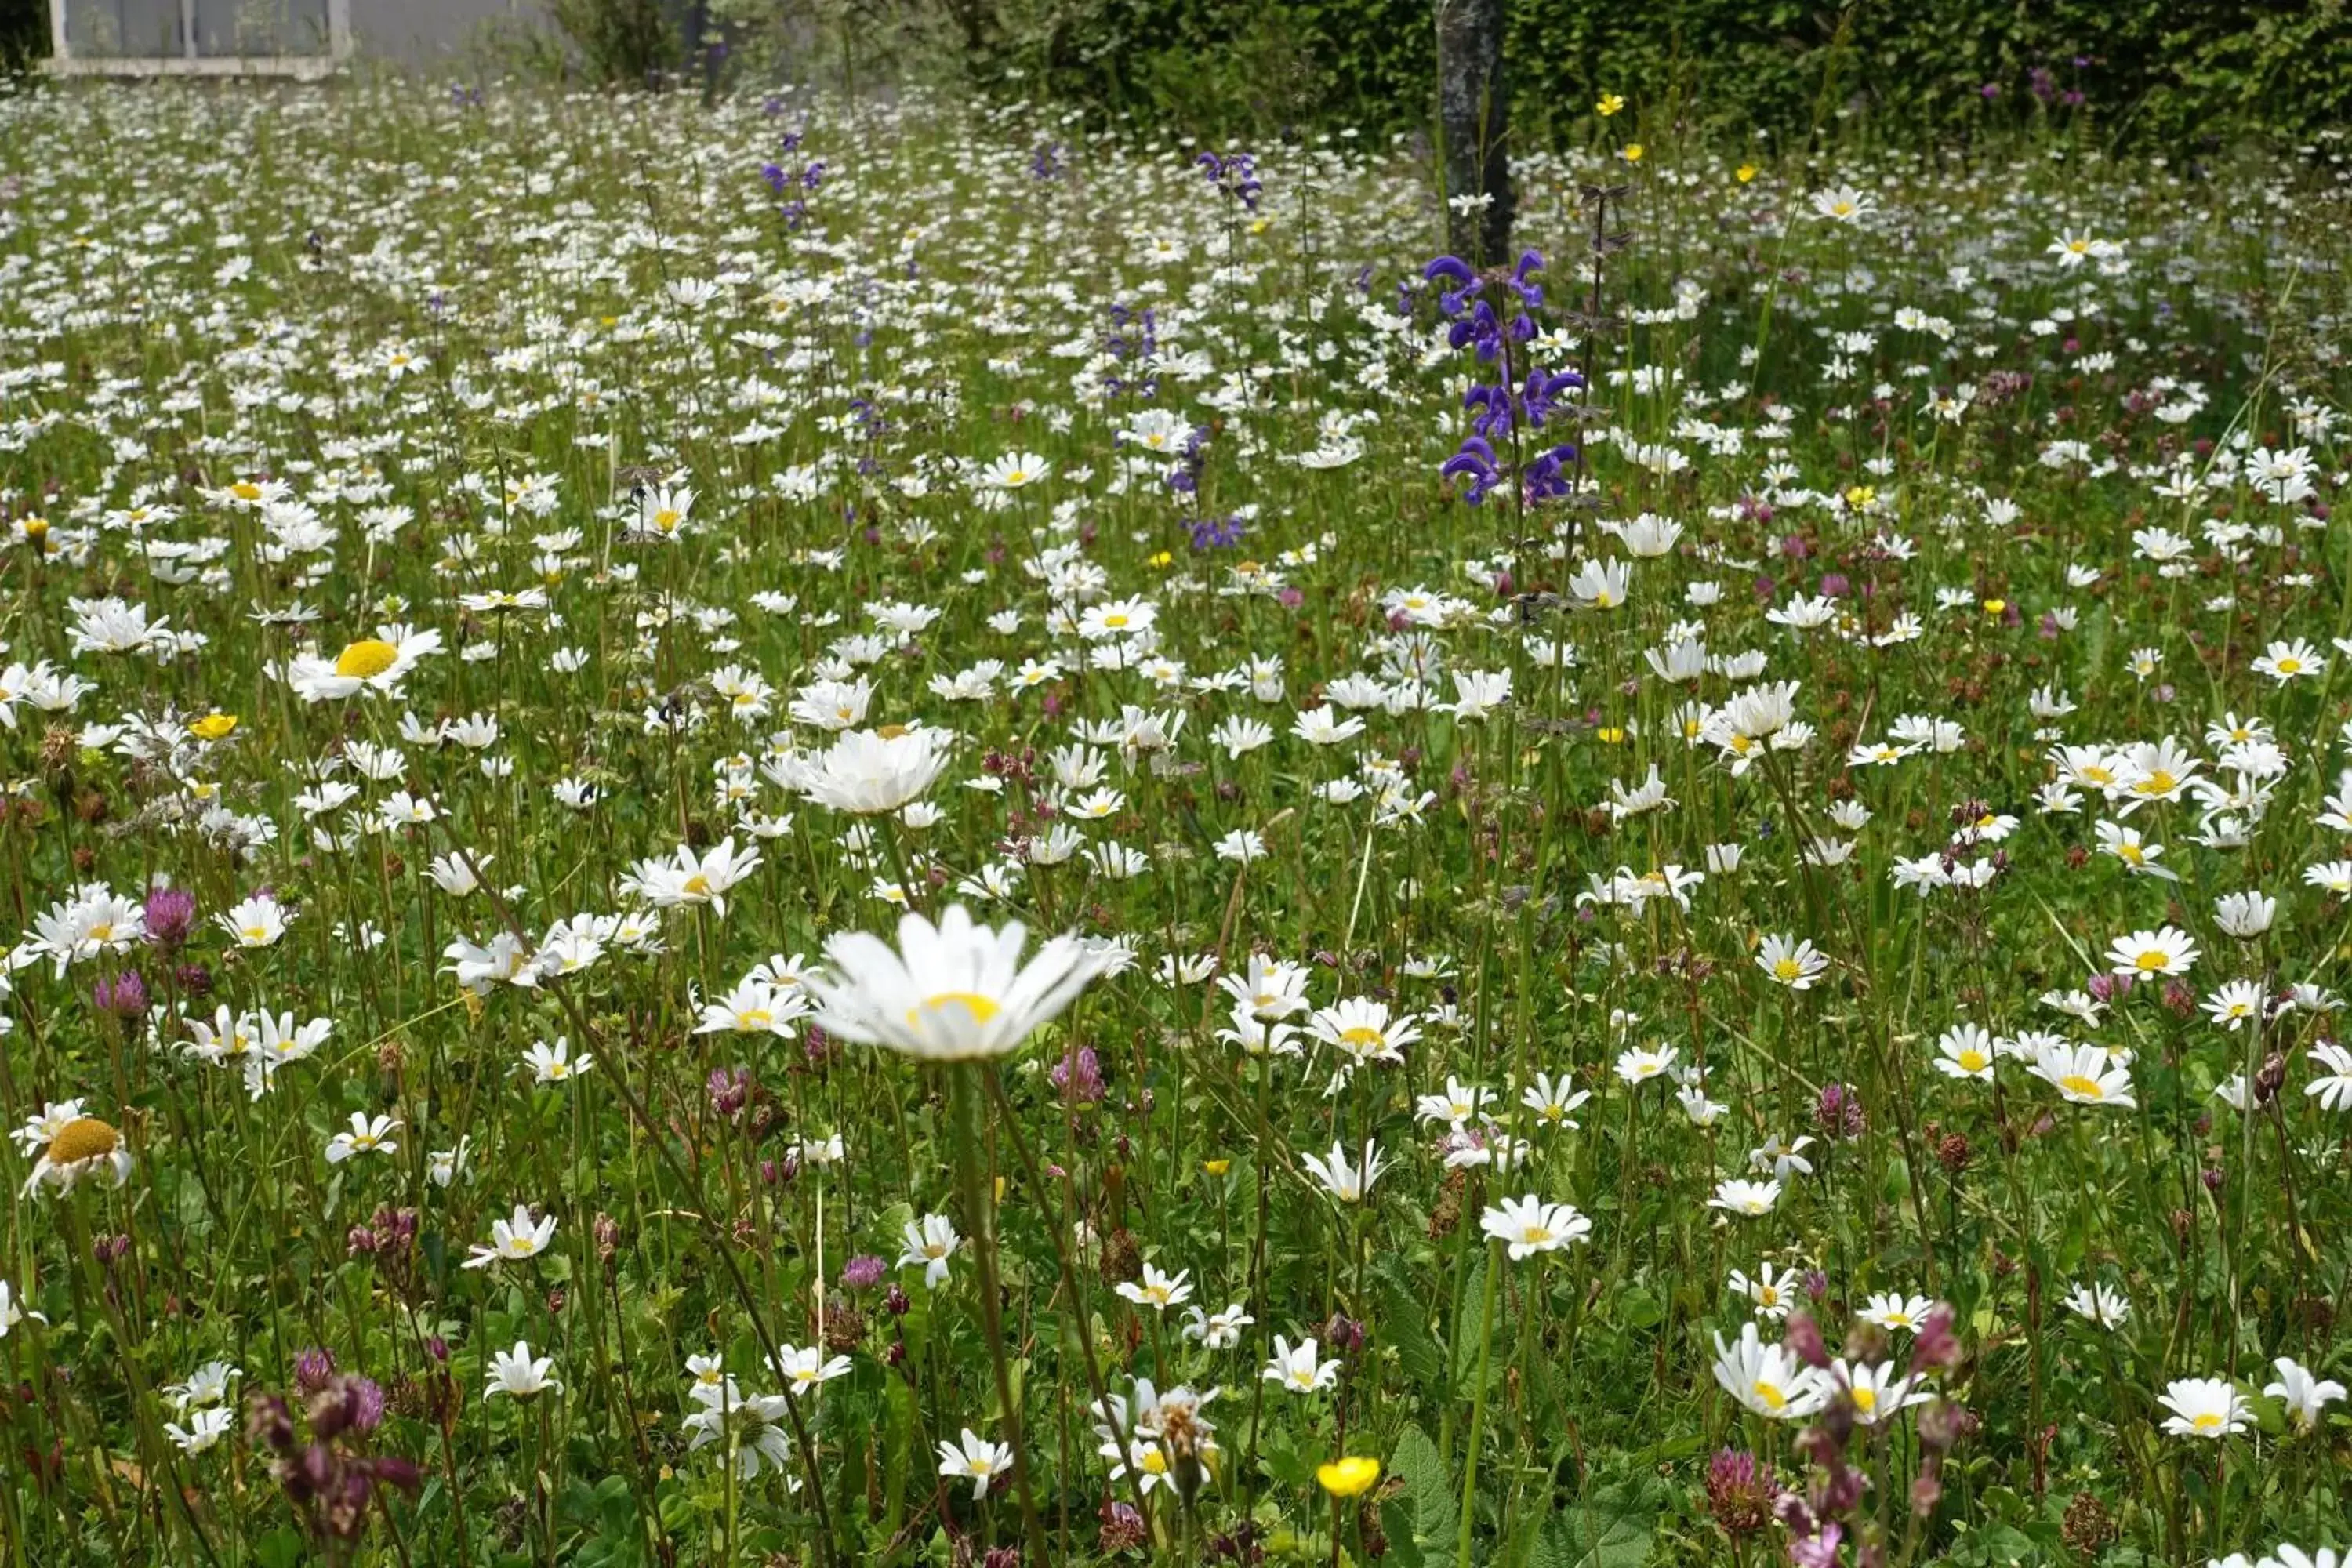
1472,115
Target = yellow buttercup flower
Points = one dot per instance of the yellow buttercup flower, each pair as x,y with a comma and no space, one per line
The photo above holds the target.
1350,1477
1633,152
1216,1167
214,726
1744,173
1610,104
1995,608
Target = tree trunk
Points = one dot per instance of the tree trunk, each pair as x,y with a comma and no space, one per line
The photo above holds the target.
1472,106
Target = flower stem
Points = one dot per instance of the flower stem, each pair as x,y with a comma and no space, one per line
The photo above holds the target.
1478,1406
966,1093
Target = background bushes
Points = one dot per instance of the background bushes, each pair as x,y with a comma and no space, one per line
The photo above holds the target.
2132,71
24,33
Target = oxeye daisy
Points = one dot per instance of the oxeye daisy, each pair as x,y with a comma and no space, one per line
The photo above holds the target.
1768,1379
1529,1224
513,1240
2207,1407
1014,471
2163,952
83,1146
1965,1051
957,991
2084,1075
1791,962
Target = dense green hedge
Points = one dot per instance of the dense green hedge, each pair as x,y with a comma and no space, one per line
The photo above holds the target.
23,32
2147,71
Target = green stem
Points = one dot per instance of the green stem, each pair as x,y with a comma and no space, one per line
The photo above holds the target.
966,1094
1479,1404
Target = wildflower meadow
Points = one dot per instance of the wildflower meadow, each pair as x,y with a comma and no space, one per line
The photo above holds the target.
805,830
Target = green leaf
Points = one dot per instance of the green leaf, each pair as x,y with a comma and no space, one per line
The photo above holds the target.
281,1548
1611,1528
1466,1328
1638,1309
1397,1524
1428,1487
1405,1326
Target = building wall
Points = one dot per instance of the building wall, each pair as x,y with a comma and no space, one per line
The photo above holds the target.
429,32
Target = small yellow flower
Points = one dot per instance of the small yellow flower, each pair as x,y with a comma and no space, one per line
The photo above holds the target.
36,532
1744,173
1352,1477
214,726
1633,152
1163,560
1610,104
1996,608
1610,736
1216,1167
1860,497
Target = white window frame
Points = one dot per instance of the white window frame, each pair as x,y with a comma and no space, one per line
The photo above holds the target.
62,61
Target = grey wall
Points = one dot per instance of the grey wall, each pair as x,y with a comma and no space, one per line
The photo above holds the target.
430,32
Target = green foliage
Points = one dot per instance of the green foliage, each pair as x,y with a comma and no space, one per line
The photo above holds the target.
624,43
2147,71
24,33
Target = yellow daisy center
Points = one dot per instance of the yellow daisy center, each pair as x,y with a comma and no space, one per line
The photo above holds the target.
1865,1399
83,1138
2088,1088
981,1008
366,660
1769,1392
